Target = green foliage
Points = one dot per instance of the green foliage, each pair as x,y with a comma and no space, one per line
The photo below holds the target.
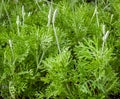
94,69
57,69
71,54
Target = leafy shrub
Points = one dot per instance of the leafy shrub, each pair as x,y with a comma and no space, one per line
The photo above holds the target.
60,49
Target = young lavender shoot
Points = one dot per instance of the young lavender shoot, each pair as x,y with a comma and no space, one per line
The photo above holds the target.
49,15
105,36
18,22
23,15
11,48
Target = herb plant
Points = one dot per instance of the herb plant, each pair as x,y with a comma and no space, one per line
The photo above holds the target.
59,49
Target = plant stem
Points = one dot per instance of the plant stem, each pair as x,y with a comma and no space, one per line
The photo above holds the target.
53,21
49,15
41,58
7,15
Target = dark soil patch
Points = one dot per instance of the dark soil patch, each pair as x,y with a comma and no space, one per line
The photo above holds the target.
114,96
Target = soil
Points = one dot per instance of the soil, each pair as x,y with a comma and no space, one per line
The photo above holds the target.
114,96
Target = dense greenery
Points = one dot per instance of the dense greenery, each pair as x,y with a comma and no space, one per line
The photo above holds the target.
63,49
